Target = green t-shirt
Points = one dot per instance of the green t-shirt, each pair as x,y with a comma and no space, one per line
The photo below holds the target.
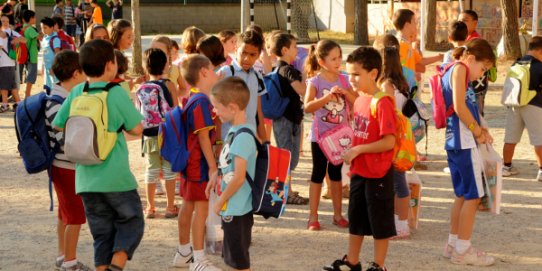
113,175
31,36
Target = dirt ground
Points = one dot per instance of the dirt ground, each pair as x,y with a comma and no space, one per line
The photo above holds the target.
28,229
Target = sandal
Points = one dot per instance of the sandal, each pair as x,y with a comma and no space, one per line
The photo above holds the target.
150,213
297,200
171,213
341,223
313,226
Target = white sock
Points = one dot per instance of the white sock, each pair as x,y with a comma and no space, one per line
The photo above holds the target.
461,246
452,239
403,225
185,250
198,255
396,217
68,264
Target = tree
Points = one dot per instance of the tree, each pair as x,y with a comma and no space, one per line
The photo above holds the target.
361,31
430,24
510,29
137,62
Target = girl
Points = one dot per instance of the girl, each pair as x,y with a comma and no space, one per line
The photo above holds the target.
212,48
121,34
463,133
97,31
328,96
191,36
175,57
394,83
172,74
229,42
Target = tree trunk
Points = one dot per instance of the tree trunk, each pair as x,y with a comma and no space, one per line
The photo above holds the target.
430,25
361,31
510,29
136,48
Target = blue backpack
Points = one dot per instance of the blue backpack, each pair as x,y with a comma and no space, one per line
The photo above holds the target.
173,136
274,102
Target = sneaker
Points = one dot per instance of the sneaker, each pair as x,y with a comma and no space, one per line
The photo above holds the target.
447,252
159,189
375,267
58,263
4,108
183,261
77,267
539,176
472,257
401,233
203,264
342,265
509,171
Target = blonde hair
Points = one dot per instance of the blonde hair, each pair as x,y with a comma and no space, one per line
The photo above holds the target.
191,36
191,66
231,90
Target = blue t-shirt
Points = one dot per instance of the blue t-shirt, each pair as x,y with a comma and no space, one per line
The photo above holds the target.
48,52
243,146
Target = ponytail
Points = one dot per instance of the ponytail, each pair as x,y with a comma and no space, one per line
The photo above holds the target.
311,63
316,52
479,48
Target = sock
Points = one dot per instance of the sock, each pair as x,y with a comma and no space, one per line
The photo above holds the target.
509,165
461,246
114,268
396,217
452,239
70,263
185,250
403,225
198,255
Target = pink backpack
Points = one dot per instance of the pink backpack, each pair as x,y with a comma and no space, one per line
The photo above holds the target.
440,112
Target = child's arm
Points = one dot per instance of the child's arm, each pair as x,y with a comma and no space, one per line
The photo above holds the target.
207,150
235,184
386,143
136,131
388,88
350,94
312,103
262,135
182,90
266,61
429,60
299,87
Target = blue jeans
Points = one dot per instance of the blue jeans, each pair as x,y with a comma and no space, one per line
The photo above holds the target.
288,136
116,223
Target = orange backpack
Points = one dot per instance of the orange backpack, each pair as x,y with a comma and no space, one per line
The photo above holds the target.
404,152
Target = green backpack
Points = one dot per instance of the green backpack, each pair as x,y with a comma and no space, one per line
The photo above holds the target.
516,92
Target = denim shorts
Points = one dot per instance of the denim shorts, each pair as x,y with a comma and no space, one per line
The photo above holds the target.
31,72
400,184
116,223
288,136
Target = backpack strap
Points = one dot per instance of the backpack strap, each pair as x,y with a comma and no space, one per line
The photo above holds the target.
258,146
376,98
107,88
232,70
450,109
52,40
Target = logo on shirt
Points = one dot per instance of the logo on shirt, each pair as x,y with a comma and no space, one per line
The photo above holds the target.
334,110
361,127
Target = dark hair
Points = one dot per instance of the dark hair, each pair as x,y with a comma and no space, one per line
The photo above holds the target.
479,48
116,29
94,55
253,38
471,13
58,1
401,17
212,48
232,90
94,1
66,62
122,62
225,35
59,21
48,22
191,66
392,71
155,61
368,58
319,51
279,41
254,27
458,31
191,36
535,43
28,15
174,44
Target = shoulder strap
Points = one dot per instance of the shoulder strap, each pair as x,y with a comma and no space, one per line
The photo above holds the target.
258,145
232,70
376,98
343,80
52,40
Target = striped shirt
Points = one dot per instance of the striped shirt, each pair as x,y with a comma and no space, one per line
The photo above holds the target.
56,137
69,15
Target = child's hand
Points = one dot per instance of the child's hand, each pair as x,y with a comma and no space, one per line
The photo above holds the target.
350,154
218,207
210,186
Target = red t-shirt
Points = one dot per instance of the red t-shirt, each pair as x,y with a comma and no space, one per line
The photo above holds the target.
368,129
473,35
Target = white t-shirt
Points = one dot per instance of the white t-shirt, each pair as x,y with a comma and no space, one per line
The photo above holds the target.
5,61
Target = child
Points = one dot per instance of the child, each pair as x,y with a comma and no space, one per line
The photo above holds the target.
470,18
172,74
457,36
175,53
229,42
50,45
59,24
326,98
463,133
69,18
122,68
212,48
263,64
109,190
32,37
237,159
155,63
97,31
528,116
287,129
8,76
121,34
370,209
71,213
191,36
201,167
97,17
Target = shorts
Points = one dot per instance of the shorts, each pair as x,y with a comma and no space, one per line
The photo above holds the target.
523,117
400,184
320,166
193,191
116,223
70,206
371,207
288,136
155,165
31,72
466,172
8,79
237,239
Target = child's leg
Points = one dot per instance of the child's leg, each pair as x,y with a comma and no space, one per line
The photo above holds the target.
60,229
71,237
380,251
171,178
150,193
335,176
314,200
15,94
466,219
354,248
198,225
152,175
319,164
185,222
456,211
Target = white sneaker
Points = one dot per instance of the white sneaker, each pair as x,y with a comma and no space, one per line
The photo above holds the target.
183,261
472,257
203,264
539,176
509,171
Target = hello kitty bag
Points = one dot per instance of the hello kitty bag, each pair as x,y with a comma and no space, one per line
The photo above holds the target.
335,142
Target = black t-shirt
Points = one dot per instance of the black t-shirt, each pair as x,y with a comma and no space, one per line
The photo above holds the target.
536,78
288,74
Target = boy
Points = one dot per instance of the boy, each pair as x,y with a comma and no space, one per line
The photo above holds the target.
470,18
109,190
33,37
201,168
69,18
8,76
59,24
71,213
287,129
370,210
238,158
528,116
97,17
50,45
457,35
58,9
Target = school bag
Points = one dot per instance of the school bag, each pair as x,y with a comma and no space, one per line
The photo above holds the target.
269,186
173,135
416,112
10,50
404,151
64,44
274,102
516,92
22,49
440,111
153,106
87,140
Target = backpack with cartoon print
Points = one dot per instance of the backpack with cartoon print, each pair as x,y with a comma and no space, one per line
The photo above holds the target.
153,105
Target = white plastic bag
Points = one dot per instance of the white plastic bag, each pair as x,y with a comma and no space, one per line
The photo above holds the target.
214,233
415,186
492,169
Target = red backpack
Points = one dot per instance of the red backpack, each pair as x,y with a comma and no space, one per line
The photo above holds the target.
440,112
64,44
21,48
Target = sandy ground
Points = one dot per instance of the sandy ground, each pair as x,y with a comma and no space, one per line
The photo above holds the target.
28,229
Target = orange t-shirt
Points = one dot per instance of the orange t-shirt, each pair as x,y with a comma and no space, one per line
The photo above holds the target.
97,17
409,56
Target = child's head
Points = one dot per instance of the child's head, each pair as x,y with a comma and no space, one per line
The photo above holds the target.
66,67
59,3
229,41
122,63
230,97
29,16
392,71
163,43
284,45
174,50
5,21
197,70
47,25
191,36
363,66
478,55
254,27
155,61
404,21
121,34
470,18
250,49
94,3
535,47
457,31
97,58
212,48
97,32
59,23
326,54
